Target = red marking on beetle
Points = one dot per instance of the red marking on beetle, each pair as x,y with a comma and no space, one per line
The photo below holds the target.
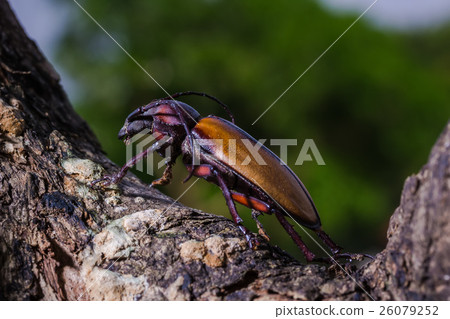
165,109
167,114
251,202
169,119
158,135
202,171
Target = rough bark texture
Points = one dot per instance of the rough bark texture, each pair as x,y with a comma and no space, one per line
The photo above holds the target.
61,240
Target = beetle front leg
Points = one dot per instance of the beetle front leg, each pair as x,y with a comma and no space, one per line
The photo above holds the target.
114,179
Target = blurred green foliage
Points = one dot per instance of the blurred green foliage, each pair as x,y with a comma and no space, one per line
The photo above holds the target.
374,104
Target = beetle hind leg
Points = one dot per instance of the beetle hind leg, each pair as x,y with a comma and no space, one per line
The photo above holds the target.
309,255
336,250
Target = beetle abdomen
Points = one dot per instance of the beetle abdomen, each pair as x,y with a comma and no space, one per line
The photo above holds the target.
274,179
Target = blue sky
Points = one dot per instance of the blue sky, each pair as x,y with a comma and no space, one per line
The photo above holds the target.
403,15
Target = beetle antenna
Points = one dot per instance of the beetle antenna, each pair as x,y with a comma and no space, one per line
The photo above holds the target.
224,106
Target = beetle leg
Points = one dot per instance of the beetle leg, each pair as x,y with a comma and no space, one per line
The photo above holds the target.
349,257
335,249
309,255
167,175
251,240
261,230
114,179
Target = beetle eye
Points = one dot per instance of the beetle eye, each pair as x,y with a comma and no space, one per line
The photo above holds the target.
123,132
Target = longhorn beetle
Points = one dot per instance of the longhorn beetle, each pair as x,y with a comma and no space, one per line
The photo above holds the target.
271,189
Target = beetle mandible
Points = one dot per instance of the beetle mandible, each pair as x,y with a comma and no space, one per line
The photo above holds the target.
271,189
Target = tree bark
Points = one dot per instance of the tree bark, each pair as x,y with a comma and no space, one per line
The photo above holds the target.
61,240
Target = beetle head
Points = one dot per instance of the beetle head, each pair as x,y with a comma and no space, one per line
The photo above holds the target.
163,115
133,127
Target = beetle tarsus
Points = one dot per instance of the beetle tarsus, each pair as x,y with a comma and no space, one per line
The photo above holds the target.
351,257
335,249
105,181
348,257
251,239
167,176
261,230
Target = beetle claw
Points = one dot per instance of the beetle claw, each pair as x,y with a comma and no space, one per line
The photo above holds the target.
251,238
252,241
105,181
352,257
95,182
349,257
